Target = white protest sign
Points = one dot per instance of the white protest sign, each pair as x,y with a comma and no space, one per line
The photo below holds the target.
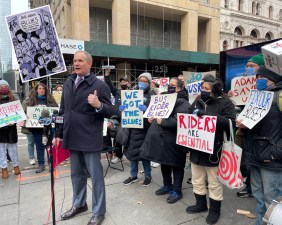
241,87
190,77
259,103
194,89
196,132
163,84
33,114
11,112
105,127
132,117
161,106
33,35
272,54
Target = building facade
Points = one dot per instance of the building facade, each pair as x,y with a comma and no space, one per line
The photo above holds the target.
5,43
245,22
160,36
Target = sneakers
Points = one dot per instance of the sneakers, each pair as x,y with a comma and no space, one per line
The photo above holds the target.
40,169
164,190
147,181
174,197
155,165
115,160
32,162
130,180
244,193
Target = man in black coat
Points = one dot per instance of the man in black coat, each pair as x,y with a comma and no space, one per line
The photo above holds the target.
85,103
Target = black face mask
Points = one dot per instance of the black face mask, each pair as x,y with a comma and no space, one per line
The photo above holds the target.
123,86
171,89
205,95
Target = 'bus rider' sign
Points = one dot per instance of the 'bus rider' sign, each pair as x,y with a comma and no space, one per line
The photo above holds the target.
161,106
259,103
132,117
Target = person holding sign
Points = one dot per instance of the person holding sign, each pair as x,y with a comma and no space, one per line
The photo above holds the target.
86,102
265,144
39,96
8,135
160,146
137,136
213,102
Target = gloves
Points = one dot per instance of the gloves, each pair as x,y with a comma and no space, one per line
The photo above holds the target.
142,108
122,108
201,113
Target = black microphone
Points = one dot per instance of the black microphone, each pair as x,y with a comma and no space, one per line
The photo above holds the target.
45,117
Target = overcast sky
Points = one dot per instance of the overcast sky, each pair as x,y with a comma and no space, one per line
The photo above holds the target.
17,6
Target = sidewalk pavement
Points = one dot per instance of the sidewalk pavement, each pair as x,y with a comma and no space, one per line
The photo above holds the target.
26,199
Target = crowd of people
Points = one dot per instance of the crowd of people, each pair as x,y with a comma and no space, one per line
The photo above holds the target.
86,101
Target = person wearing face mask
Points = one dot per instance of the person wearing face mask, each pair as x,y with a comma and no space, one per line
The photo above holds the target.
213,102
8,135
116,92
137,136
165,151
264,142
39,96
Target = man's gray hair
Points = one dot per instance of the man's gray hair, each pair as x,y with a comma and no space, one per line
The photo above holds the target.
88,57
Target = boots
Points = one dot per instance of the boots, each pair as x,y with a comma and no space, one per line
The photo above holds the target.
201,205
17,170
5,173
214,211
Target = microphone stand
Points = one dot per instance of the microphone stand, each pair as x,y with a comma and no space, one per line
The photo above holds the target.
49,142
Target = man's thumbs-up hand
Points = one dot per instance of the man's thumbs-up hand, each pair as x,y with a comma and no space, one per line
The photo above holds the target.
94,101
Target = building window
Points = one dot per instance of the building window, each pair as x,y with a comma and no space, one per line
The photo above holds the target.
238,31
258,9
270,12
253,8
280,14
268,36
240,5
254,34
225,45
226,4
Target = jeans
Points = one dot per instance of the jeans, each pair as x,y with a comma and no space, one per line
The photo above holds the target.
39,148
134,168
30,145
266,185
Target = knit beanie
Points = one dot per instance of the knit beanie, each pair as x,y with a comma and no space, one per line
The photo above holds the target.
3,82
147,75
257,59
269,74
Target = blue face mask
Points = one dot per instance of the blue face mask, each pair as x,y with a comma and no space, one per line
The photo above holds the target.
142,85
261,84
250,71
205,95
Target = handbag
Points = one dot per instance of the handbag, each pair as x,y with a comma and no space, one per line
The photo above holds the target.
228,172
122,135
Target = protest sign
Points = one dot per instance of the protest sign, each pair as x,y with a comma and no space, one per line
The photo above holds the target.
163,84
33,114
272,54
132,117
57,96
241,87
105,127
160,106
11,112
191,77
35,42
196,132
194,89
258,105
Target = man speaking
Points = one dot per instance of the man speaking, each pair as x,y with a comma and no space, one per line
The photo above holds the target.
85,103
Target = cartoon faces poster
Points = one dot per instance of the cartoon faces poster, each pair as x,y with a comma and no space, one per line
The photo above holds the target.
35,42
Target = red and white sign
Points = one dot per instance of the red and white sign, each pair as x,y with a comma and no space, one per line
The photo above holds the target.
241,87
196,132
272,54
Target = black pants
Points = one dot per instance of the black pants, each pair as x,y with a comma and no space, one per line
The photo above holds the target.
178,175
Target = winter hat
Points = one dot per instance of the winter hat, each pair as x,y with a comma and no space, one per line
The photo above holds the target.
269,74
147,75
257,59
3,82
